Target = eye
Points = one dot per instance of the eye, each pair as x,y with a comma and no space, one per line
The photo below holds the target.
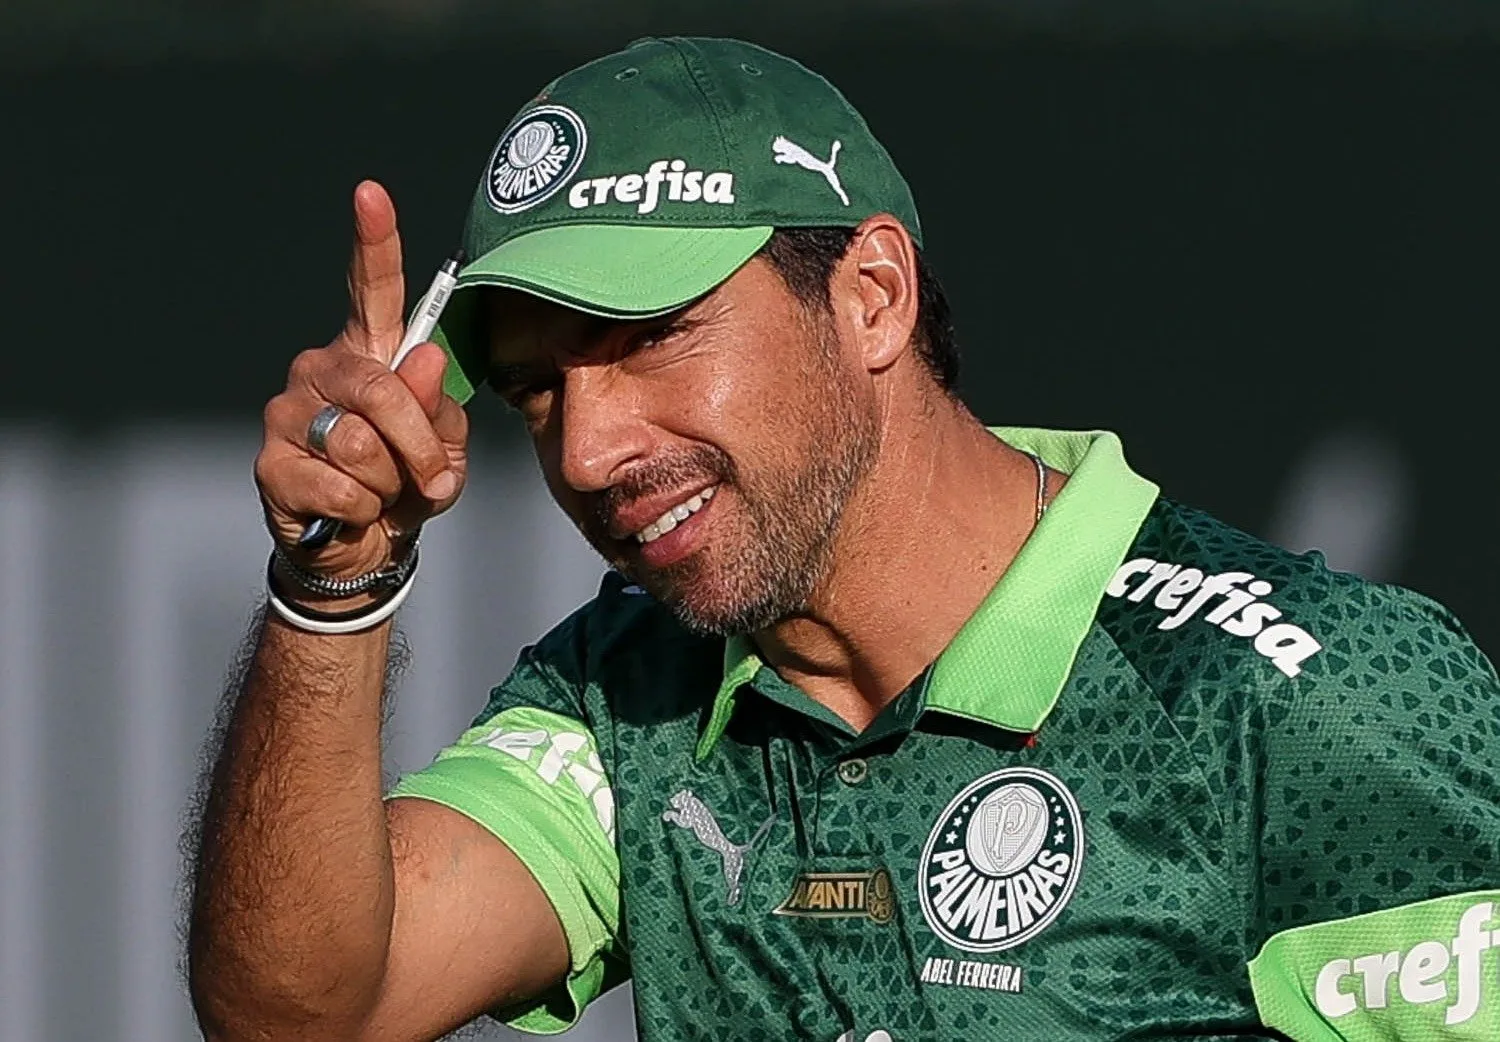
535,390
525,394
658,334
534,405
650,337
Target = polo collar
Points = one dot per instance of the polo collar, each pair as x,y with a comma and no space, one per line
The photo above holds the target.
1030,626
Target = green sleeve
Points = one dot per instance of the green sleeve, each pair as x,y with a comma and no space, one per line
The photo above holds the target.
1378,900
529,771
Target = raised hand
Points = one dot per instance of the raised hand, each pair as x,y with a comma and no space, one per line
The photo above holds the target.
398,454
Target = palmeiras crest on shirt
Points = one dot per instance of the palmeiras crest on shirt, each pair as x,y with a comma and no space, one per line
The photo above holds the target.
535,158
1002,860
687,811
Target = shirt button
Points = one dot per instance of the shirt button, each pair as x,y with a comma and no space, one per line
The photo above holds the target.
852,772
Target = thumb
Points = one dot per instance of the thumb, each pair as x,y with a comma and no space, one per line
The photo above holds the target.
422,370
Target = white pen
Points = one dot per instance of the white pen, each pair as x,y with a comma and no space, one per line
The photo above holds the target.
418,331
431,308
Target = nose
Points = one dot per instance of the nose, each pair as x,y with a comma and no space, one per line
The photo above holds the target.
603,430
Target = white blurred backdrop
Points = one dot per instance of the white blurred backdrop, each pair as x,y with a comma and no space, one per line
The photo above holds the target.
128,571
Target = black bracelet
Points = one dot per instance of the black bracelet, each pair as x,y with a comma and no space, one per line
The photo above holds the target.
337,622
391,577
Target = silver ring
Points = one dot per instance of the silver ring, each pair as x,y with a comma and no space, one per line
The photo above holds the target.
321,427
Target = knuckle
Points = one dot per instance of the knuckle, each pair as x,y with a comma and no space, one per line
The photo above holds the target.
359,442
271,478
276,415
366,509
345,498
305,364
377,392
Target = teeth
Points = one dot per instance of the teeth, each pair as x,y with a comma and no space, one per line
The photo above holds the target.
670,520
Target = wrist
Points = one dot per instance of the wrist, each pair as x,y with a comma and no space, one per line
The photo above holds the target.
319,612
316,588
290,591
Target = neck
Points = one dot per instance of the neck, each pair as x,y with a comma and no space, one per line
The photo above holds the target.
932,528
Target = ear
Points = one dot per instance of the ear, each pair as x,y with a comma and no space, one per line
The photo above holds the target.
881,267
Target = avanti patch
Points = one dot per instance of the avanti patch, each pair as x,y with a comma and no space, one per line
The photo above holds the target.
535,158
1002,860
841,895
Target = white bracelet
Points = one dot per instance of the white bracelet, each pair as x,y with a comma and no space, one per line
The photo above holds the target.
339,622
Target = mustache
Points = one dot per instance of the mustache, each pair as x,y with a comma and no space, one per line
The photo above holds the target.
660,475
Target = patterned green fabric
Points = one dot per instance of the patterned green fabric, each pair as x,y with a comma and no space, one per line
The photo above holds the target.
1246,744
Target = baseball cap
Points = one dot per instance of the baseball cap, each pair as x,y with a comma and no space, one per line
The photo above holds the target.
637,183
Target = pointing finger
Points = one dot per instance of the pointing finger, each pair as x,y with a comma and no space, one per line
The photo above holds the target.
377,286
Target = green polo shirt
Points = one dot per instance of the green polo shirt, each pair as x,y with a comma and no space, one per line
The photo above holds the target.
1168,781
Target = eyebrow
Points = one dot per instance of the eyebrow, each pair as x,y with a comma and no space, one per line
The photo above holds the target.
593,331
510,374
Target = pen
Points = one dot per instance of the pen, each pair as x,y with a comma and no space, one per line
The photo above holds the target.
321,529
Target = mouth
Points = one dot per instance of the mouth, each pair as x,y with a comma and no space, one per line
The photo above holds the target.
677,533
675,516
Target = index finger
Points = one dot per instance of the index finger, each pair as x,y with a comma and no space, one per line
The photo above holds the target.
377,285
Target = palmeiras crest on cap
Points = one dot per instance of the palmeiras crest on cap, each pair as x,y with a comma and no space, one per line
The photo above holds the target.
534,159
1002,860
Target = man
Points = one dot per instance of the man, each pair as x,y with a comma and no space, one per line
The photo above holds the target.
883,725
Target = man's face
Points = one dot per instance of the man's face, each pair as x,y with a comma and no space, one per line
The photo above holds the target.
707,455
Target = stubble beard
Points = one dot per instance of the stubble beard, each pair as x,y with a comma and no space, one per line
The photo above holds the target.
766,566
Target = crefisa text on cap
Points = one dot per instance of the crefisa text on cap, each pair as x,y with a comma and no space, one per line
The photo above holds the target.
645,190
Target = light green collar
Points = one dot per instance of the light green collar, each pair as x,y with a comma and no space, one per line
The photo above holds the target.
1008,664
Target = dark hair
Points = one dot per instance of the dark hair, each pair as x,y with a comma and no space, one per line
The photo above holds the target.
805,259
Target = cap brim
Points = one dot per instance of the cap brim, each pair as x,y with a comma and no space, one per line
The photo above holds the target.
616,271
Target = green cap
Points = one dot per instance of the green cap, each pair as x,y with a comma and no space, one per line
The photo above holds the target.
638,182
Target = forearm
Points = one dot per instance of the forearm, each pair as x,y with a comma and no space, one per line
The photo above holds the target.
294,888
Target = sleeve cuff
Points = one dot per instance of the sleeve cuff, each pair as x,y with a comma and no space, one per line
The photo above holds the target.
452,783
